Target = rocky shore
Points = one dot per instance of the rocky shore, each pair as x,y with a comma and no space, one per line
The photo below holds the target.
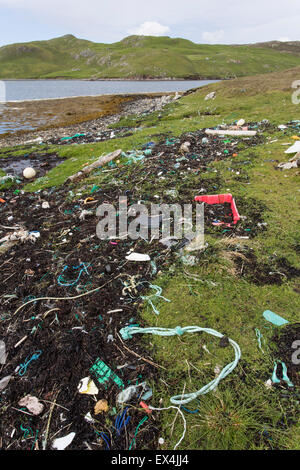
110,113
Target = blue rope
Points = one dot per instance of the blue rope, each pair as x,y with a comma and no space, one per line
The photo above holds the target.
120,421
23,367
189,411
106,440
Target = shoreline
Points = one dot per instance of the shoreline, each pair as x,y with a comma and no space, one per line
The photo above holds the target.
107,95
113,79
80,115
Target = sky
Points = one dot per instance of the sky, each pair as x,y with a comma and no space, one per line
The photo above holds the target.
105,21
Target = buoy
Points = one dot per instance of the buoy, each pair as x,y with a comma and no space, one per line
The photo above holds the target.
29,173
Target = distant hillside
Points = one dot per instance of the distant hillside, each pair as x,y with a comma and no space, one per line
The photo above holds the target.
290,47
143,57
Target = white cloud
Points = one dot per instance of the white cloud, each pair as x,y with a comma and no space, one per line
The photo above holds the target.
150,28
213,37
213,21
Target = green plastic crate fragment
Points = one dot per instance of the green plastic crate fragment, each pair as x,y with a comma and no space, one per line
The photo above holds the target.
105,375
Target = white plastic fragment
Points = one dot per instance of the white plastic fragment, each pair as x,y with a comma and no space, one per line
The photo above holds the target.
268,384
210,96
4,382
39,140
32,404
63,442
185,147
126,395
45,205
2,352
85,214
230,132
241,122
138,257
22,235
89,419
87,387
294,148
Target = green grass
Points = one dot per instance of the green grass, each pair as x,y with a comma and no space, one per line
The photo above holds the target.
140,57
241,413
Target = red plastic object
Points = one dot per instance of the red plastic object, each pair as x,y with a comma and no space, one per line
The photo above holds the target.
146,407
221,199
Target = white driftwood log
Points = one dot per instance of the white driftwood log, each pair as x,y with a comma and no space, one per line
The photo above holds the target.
100,162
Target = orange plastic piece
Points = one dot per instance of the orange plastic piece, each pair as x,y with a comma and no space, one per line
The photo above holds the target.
146,407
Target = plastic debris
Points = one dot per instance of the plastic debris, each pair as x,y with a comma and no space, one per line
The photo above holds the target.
221,199
138,257
4,382
230,132
294,148
210,96
101,407
32,404
21,235
105,375
63,442
29,173
87,386
294,162
285,378
268,384
89,419
2,352
185,147
126,395
274,318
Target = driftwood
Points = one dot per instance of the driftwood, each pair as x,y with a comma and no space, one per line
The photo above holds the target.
100,162
228,132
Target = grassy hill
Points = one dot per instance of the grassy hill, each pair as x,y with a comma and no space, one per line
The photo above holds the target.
143,57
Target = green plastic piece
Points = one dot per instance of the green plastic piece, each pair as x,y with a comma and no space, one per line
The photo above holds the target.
105,375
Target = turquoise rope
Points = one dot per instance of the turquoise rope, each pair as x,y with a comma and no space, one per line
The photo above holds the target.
127,333
259,337
154,296
137,430
61,281
285,378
